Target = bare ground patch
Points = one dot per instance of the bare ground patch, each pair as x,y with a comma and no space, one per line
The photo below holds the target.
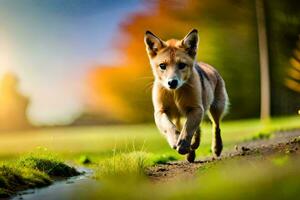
282,142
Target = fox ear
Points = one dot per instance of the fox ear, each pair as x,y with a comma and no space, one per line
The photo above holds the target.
190,42
153,43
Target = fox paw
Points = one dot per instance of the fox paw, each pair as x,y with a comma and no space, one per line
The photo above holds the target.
191,156
217,150
183,146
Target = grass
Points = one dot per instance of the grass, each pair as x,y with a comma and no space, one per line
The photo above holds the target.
31,171
84,159
49,166
13,178
123,165
260,136
131,164
121,153
98,143
245,179
235,179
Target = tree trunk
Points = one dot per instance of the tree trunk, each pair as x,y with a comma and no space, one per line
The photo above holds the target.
264,62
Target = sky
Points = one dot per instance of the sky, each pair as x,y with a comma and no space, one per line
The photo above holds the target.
51,44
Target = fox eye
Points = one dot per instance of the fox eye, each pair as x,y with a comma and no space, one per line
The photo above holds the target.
181,65
162,66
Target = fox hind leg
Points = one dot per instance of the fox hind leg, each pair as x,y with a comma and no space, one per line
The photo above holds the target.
216,113
217,110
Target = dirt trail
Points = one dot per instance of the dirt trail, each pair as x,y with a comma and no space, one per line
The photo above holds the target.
282,142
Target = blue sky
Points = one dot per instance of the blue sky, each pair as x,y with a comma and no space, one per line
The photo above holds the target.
51,44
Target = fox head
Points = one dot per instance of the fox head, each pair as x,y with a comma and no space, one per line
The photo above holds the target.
172,61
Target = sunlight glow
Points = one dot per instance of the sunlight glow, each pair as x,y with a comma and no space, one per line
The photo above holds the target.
6,55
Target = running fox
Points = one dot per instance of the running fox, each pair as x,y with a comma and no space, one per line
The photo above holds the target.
184,88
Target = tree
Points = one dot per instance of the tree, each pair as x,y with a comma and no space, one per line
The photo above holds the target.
13,105
264,61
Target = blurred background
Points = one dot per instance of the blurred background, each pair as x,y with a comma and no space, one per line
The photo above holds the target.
75,63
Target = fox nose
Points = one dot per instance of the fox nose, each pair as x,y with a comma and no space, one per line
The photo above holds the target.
173,83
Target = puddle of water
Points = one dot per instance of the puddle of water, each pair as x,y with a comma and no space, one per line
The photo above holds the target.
71,188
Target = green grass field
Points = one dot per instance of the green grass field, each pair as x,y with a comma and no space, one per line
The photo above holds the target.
120,154
105,141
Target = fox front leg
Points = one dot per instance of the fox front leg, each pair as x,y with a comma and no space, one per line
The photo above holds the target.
194,117
167,128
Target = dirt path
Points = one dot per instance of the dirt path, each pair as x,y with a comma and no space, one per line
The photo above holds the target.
282,142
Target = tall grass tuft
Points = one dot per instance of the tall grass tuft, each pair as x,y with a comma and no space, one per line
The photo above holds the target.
131,164
124,164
